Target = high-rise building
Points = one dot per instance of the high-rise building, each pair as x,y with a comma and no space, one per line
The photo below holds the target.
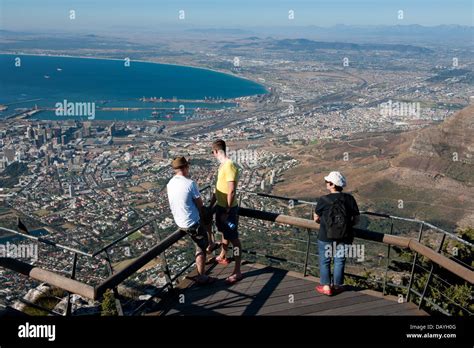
86,129
30,134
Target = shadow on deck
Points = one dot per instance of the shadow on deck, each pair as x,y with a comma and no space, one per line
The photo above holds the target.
270,291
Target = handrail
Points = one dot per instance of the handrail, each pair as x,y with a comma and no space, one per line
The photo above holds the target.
138,263
46,241
49,277
85,290
387,216
403,242
95,293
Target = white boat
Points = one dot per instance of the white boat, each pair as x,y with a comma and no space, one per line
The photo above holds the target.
59,69
46,76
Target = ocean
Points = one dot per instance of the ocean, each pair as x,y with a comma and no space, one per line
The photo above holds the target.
47,80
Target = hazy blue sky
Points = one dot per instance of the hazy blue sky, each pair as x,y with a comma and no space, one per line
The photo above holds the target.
107,14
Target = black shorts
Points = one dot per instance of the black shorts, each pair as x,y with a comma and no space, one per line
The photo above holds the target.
198,234
208,213
223,226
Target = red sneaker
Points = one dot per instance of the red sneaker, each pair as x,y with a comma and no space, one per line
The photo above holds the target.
322,290
222,261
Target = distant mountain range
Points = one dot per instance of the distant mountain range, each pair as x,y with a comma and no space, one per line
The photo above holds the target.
457,35
405,34
309,45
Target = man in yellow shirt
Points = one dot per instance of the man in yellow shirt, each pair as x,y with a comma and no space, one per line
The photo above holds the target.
227,208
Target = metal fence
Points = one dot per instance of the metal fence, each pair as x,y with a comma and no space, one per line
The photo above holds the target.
304,256
271,232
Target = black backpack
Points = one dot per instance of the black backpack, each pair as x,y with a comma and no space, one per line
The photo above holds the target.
338,220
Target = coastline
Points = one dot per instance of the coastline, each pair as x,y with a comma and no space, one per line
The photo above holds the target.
140,61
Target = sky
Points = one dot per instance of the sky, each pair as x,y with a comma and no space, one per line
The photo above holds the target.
53,15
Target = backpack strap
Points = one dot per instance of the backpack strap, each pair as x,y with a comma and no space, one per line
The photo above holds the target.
326,199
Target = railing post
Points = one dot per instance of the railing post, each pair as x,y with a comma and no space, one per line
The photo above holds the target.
384,284
440,247
308,245
164,262
410,283
118,305
73,276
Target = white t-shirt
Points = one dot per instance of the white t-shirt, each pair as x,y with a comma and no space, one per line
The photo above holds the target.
181,194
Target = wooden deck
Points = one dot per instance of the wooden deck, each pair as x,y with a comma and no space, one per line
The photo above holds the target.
270,291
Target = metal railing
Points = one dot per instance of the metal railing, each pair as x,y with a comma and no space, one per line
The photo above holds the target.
103,253
463,270
115,278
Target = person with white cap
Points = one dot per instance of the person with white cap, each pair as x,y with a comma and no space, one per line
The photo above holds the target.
337,213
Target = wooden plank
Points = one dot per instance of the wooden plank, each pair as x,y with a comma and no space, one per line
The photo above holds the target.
393,307
363,308
257,288
249,276
282,299
250,289
411,311
408,309
280,296
295,287
253,278
227,305
316,304
210,290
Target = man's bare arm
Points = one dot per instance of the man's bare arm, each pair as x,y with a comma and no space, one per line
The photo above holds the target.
231,193
200,206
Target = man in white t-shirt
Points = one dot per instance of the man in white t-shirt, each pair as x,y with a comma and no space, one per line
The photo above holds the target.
187,208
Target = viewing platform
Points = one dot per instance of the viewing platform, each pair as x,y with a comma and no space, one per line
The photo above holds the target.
267,290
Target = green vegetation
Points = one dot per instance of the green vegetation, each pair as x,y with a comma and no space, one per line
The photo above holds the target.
445,289
47,302
108,304
134,236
